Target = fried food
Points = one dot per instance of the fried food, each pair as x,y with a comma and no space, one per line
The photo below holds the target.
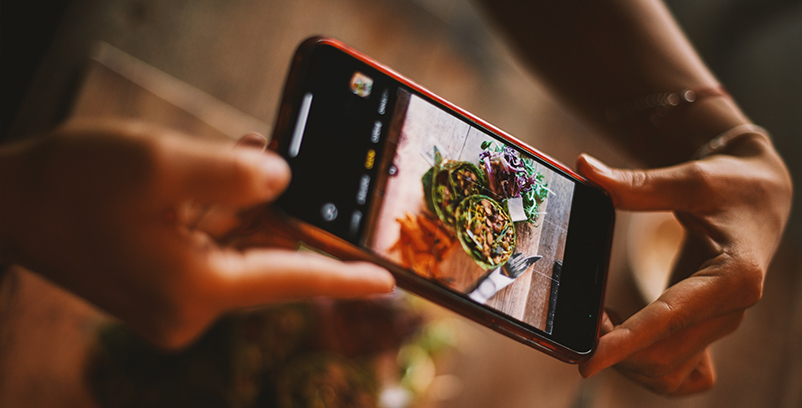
423,243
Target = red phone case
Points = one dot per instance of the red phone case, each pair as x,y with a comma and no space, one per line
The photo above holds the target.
340,248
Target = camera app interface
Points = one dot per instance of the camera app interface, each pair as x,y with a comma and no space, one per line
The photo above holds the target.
388,170
473,214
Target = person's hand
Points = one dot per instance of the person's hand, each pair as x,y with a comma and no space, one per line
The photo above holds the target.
733,206
116,212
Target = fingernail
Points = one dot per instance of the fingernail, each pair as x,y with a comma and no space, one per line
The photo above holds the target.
583,372
277,173
390,281
254,140
273,165
382,275
597,166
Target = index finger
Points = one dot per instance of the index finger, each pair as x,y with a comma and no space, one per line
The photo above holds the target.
216,173
260,276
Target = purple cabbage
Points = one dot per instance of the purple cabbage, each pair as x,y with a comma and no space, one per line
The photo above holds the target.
506,173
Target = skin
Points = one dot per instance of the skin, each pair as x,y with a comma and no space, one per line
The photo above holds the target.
125,214
733,204
732,235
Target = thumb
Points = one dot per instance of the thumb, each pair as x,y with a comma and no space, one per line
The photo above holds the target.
663,189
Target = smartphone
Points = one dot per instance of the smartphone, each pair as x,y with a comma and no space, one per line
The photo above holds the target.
460,212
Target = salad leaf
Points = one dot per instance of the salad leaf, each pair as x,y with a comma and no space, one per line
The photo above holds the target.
428,182
510,175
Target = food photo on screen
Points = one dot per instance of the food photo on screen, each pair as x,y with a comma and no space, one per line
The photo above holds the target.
471,213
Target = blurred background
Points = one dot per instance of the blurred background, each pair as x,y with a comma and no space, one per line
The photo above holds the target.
216,69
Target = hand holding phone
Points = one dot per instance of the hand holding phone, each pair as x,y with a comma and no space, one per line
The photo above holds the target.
461,213
117,211
719,273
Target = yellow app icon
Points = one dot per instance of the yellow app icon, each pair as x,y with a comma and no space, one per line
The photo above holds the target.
361,84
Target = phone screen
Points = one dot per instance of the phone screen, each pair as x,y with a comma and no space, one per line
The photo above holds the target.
460,204
387,168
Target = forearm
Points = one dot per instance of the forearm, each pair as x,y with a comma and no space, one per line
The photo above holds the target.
9,196
599,55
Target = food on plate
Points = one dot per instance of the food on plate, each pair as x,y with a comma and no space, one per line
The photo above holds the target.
485,231
511,176
423,243
446,184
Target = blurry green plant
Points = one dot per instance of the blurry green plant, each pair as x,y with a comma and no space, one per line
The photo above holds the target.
320,354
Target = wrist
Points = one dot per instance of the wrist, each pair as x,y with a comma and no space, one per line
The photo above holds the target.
13,197
724,142
662,137
701,123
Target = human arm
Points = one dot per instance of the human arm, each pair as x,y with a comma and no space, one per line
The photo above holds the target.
598,55
109,210
734,203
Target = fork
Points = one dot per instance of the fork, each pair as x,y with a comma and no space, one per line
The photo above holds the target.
502,277
518,264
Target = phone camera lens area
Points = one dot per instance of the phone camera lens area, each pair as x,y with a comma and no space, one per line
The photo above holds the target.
329,211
